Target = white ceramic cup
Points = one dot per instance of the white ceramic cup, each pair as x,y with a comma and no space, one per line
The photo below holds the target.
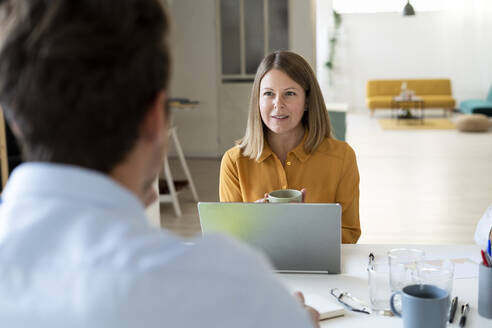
285,196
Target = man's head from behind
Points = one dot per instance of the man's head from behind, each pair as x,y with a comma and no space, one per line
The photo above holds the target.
78,78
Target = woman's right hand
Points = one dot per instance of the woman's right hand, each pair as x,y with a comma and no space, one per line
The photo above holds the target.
263,200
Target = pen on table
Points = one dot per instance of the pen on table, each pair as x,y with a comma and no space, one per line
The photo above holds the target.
489,260
484,258
464,310
487,257
371,261
452,312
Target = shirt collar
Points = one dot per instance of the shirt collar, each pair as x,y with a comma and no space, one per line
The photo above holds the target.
59,180
298,151
267,151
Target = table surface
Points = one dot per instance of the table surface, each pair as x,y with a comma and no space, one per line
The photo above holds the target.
354,280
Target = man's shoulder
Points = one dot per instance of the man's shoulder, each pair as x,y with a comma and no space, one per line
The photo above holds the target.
163,275
213,254
139,248
214,270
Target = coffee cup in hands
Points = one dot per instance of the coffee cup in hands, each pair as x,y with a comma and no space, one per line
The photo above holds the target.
285,196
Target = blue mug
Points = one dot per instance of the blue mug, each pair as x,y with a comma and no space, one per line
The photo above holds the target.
422,306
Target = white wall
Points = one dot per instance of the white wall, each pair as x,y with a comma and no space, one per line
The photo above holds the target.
194,74
455,44
302,29
324,26
233,113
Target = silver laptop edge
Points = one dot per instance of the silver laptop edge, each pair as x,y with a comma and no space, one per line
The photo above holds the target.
297,237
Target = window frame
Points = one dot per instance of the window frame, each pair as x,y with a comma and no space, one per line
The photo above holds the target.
243,76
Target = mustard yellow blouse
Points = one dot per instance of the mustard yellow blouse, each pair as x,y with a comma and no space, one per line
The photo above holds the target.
329,175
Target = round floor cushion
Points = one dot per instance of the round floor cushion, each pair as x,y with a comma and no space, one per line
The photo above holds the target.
473,123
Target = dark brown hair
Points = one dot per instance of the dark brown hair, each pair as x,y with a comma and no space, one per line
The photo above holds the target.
78,76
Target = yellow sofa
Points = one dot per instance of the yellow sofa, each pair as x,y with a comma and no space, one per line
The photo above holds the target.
436,93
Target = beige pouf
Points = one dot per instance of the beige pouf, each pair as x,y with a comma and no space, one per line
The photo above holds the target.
473,123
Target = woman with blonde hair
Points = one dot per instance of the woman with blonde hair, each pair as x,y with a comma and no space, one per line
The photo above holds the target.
288,144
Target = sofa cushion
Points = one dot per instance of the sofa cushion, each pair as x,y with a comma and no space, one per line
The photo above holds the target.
438,101
473,123
429,101
420,86
379,101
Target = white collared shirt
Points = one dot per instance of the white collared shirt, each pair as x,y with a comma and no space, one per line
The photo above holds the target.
76,251
484,226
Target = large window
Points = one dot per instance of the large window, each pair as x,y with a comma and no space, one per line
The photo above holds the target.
249,29
377,6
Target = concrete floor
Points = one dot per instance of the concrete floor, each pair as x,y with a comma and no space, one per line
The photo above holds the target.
418,187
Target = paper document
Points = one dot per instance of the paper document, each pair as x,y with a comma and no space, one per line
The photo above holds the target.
464,268
325,307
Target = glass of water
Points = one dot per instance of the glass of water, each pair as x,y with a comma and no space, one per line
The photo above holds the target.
404,266
379,286
440,274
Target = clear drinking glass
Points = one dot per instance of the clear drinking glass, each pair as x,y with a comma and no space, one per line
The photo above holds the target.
404,267
379,286
440,274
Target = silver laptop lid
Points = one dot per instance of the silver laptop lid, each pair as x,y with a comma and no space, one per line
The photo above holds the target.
297,237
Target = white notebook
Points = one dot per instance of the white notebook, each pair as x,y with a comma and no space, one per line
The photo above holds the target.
326,308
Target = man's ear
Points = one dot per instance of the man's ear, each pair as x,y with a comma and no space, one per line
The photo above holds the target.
15,129
155,120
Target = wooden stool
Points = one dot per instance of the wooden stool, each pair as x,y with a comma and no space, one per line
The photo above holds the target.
172,197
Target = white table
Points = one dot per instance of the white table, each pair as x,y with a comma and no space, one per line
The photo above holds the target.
354,280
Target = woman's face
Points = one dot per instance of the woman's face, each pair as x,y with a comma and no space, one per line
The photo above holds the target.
282,102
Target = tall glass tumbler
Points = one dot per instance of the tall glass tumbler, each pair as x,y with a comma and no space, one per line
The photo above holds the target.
404,267
438,274
379,286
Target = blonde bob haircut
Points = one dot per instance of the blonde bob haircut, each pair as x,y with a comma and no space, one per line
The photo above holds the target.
315,119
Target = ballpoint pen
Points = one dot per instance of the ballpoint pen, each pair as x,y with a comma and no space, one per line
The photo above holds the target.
464,310
487,257
452,312
371,261
489,251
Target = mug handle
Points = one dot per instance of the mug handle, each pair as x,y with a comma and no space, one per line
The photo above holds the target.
398,314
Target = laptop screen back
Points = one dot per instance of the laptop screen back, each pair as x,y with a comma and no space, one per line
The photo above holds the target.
297,237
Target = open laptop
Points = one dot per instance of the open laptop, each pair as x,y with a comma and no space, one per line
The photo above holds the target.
297,237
